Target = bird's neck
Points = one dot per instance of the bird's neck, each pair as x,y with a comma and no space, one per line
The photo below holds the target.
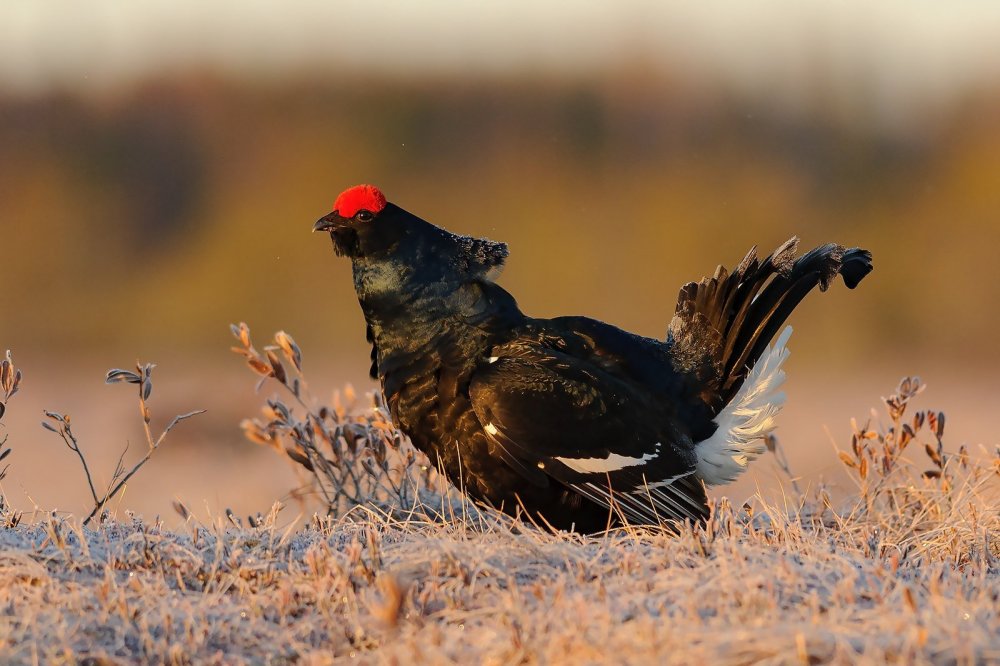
397,300
409,313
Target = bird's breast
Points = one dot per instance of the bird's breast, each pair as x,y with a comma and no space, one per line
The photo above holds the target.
381,278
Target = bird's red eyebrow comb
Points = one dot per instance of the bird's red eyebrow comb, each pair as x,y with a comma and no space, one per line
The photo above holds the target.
359,197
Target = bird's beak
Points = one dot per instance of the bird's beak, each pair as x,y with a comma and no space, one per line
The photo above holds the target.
328,222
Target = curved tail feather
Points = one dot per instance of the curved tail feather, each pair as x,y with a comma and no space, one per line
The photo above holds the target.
720,339
724,324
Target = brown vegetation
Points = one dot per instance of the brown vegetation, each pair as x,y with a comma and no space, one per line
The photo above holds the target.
10,383
351,456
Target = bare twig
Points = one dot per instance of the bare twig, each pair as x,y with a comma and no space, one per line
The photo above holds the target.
774,446
114,491
60,425
65,430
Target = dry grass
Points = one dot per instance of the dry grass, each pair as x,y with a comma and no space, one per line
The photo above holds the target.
907,571
488,591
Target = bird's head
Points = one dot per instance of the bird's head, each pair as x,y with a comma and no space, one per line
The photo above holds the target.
357,216
366,227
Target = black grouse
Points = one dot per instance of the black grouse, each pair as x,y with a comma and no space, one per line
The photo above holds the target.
574,421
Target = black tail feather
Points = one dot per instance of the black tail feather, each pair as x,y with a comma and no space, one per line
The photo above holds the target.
855,265
724,323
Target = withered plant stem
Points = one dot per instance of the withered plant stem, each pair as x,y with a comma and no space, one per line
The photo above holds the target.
149,453
143,378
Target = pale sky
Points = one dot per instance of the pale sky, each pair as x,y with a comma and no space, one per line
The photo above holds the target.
895,53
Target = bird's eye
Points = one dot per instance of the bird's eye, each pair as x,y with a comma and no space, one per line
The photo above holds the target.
365,216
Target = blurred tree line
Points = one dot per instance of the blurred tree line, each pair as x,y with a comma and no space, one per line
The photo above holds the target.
150,218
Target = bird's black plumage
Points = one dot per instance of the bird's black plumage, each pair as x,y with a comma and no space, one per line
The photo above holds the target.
575,421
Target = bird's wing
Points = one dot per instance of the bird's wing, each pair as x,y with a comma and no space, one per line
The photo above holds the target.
596,433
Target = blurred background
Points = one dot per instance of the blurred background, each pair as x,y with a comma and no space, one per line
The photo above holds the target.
162,163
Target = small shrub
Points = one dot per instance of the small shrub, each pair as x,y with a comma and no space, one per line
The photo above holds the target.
921,503
10,382
350,456
915,500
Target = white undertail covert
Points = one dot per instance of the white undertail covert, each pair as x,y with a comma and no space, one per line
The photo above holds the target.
747,419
